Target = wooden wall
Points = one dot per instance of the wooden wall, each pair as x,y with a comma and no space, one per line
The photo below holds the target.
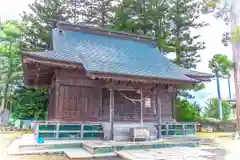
78,98
124,109
79,103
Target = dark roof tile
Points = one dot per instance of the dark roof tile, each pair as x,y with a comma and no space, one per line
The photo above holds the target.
106,54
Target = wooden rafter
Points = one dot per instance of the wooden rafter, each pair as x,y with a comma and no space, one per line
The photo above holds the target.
47,62
144,80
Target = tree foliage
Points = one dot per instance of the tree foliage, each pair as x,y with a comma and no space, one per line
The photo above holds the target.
187,111
98,12
221,65
30,103
10,66
42,18
211,109
184,15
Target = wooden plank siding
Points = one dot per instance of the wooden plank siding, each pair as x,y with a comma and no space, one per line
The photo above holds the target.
78,103
79,98
52,104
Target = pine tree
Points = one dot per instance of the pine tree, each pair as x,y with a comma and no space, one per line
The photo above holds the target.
44,17
146,17
183,16
98,13
10,68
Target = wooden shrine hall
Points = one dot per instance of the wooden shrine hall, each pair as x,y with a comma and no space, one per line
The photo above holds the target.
95,75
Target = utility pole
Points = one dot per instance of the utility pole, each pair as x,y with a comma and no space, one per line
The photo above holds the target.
235,32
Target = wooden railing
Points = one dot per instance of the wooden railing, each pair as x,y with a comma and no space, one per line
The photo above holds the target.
54,130
171,129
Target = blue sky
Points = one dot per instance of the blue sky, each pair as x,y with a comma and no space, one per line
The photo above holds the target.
211,35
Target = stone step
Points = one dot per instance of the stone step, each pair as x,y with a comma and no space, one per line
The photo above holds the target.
49,146
29,143
81,154
108,147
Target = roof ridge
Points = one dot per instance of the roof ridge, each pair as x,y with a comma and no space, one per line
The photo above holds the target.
103,32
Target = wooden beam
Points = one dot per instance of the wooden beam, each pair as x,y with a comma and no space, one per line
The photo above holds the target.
111,114
83,82
158,110
143,80
101,84
47,62
122,87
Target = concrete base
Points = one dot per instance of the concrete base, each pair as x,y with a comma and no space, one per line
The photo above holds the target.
77,149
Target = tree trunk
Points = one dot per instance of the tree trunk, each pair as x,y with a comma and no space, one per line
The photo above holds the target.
235,22
229,90
219,98
103,11
5,98
178,49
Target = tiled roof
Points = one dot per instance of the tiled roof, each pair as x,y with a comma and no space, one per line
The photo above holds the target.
104,54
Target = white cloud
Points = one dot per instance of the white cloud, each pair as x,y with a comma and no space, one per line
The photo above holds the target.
11,9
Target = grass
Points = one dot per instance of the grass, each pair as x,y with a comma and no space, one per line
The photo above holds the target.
11,135
215,135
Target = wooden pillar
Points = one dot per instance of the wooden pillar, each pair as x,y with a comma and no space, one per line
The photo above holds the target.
158,110
111,114
58,107
58,110
141,109
174,94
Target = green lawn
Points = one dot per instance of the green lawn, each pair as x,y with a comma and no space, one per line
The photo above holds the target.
215,135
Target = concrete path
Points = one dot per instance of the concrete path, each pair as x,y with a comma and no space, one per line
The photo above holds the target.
175,153
4,142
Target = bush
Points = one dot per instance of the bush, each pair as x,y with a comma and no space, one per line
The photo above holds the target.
185,111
